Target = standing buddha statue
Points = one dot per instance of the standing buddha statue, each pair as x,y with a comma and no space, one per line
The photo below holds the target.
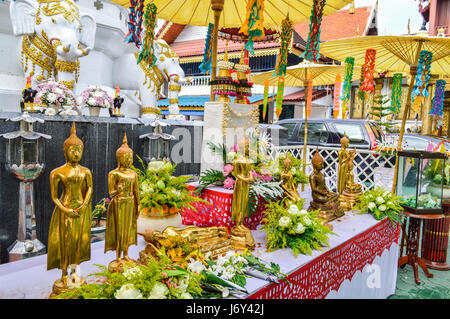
287,184
123,210
69,239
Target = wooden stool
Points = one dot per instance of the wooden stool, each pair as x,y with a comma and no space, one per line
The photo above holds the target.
412,243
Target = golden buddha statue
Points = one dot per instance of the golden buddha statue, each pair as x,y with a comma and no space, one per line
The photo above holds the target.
69,239
287,184
241,236
323,199
123,210
348,189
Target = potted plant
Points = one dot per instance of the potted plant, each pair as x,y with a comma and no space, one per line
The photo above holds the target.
55,97
432,172
98,225
95,98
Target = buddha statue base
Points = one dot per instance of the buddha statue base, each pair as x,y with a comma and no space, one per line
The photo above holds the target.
329,211
118,265
66,284
158,223
348,199
242,238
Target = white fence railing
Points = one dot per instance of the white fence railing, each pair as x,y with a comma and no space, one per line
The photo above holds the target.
198,80
370,169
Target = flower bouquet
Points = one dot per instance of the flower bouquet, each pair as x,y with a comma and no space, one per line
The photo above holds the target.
99,210
95,99
55,97
295,227
380,204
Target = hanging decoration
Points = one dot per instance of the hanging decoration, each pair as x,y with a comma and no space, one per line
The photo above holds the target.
438,101
312,45
147,53
253,24
285,38
423,75
361,94
347,87
266,98
279,99
369,68
396,98
205,66
309,96
337,95
135,22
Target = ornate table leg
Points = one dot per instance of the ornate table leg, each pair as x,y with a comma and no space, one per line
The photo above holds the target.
412,248
435,243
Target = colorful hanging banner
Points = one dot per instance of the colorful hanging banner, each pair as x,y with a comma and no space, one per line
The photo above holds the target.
438,101
205,66
337,94
279,99
312,45
423,75
147,53
369,68
309,96
266,97
253,24
361,94
347,87
396,97
286,35
135,22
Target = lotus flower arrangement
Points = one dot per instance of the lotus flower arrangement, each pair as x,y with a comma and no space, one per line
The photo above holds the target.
56,97
94,96
380,204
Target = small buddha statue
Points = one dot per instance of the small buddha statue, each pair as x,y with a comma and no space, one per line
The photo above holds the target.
28,96
287,184
322,198
123,210
69,239
241,236
348,189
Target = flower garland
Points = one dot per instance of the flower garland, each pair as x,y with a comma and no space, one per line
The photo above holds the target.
347,87
253,24
396,98
438,102
337,94
279,98
266,98
361,93
286,35
312,45
95,97
205,66
369,67
380,204
423,75
135,22
147,53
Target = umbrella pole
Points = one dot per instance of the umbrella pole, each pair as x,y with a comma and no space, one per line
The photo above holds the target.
412,72
217,7
305,142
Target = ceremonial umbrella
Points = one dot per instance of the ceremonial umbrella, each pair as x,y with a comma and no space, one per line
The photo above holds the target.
232,14
300,75
394,53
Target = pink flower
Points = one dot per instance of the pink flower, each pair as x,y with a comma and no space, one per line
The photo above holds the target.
228,183
61,99
235,148
107,199
266,178
255,174
227,169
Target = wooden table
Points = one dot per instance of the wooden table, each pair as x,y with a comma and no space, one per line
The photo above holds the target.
412,243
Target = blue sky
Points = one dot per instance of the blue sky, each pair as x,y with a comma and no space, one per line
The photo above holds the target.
393,15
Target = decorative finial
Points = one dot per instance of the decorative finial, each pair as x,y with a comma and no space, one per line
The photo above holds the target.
352,8
125,141
73,130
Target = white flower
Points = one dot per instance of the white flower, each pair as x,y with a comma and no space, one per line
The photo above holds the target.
51,97
195,266
225,292
380,200
91,101
58,91
183,283
128,291
386,193
132,272
159,291
371,205
382,208
293,210
97,94
80,99
50,111
186,295
307,221
229,254
303,212
299,228
284,221
155,166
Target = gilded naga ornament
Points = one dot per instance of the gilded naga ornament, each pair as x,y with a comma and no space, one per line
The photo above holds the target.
69,239
323,199
123,210
241,236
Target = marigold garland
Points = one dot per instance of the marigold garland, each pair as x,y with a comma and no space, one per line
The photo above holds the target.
423,75
286,35
396,97
312,45
337,95
253,24
347,86
205,66
438,102
279,99
147,53
135,22
369,67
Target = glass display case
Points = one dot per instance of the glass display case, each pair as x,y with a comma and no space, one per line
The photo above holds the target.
419,172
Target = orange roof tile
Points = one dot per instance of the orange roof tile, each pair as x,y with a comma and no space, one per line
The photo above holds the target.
338,25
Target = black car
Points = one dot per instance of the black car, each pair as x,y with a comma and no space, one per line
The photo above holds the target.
328,132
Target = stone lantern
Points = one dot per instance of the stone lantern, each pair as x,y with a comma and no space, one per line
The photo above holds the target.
156,144
25,160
